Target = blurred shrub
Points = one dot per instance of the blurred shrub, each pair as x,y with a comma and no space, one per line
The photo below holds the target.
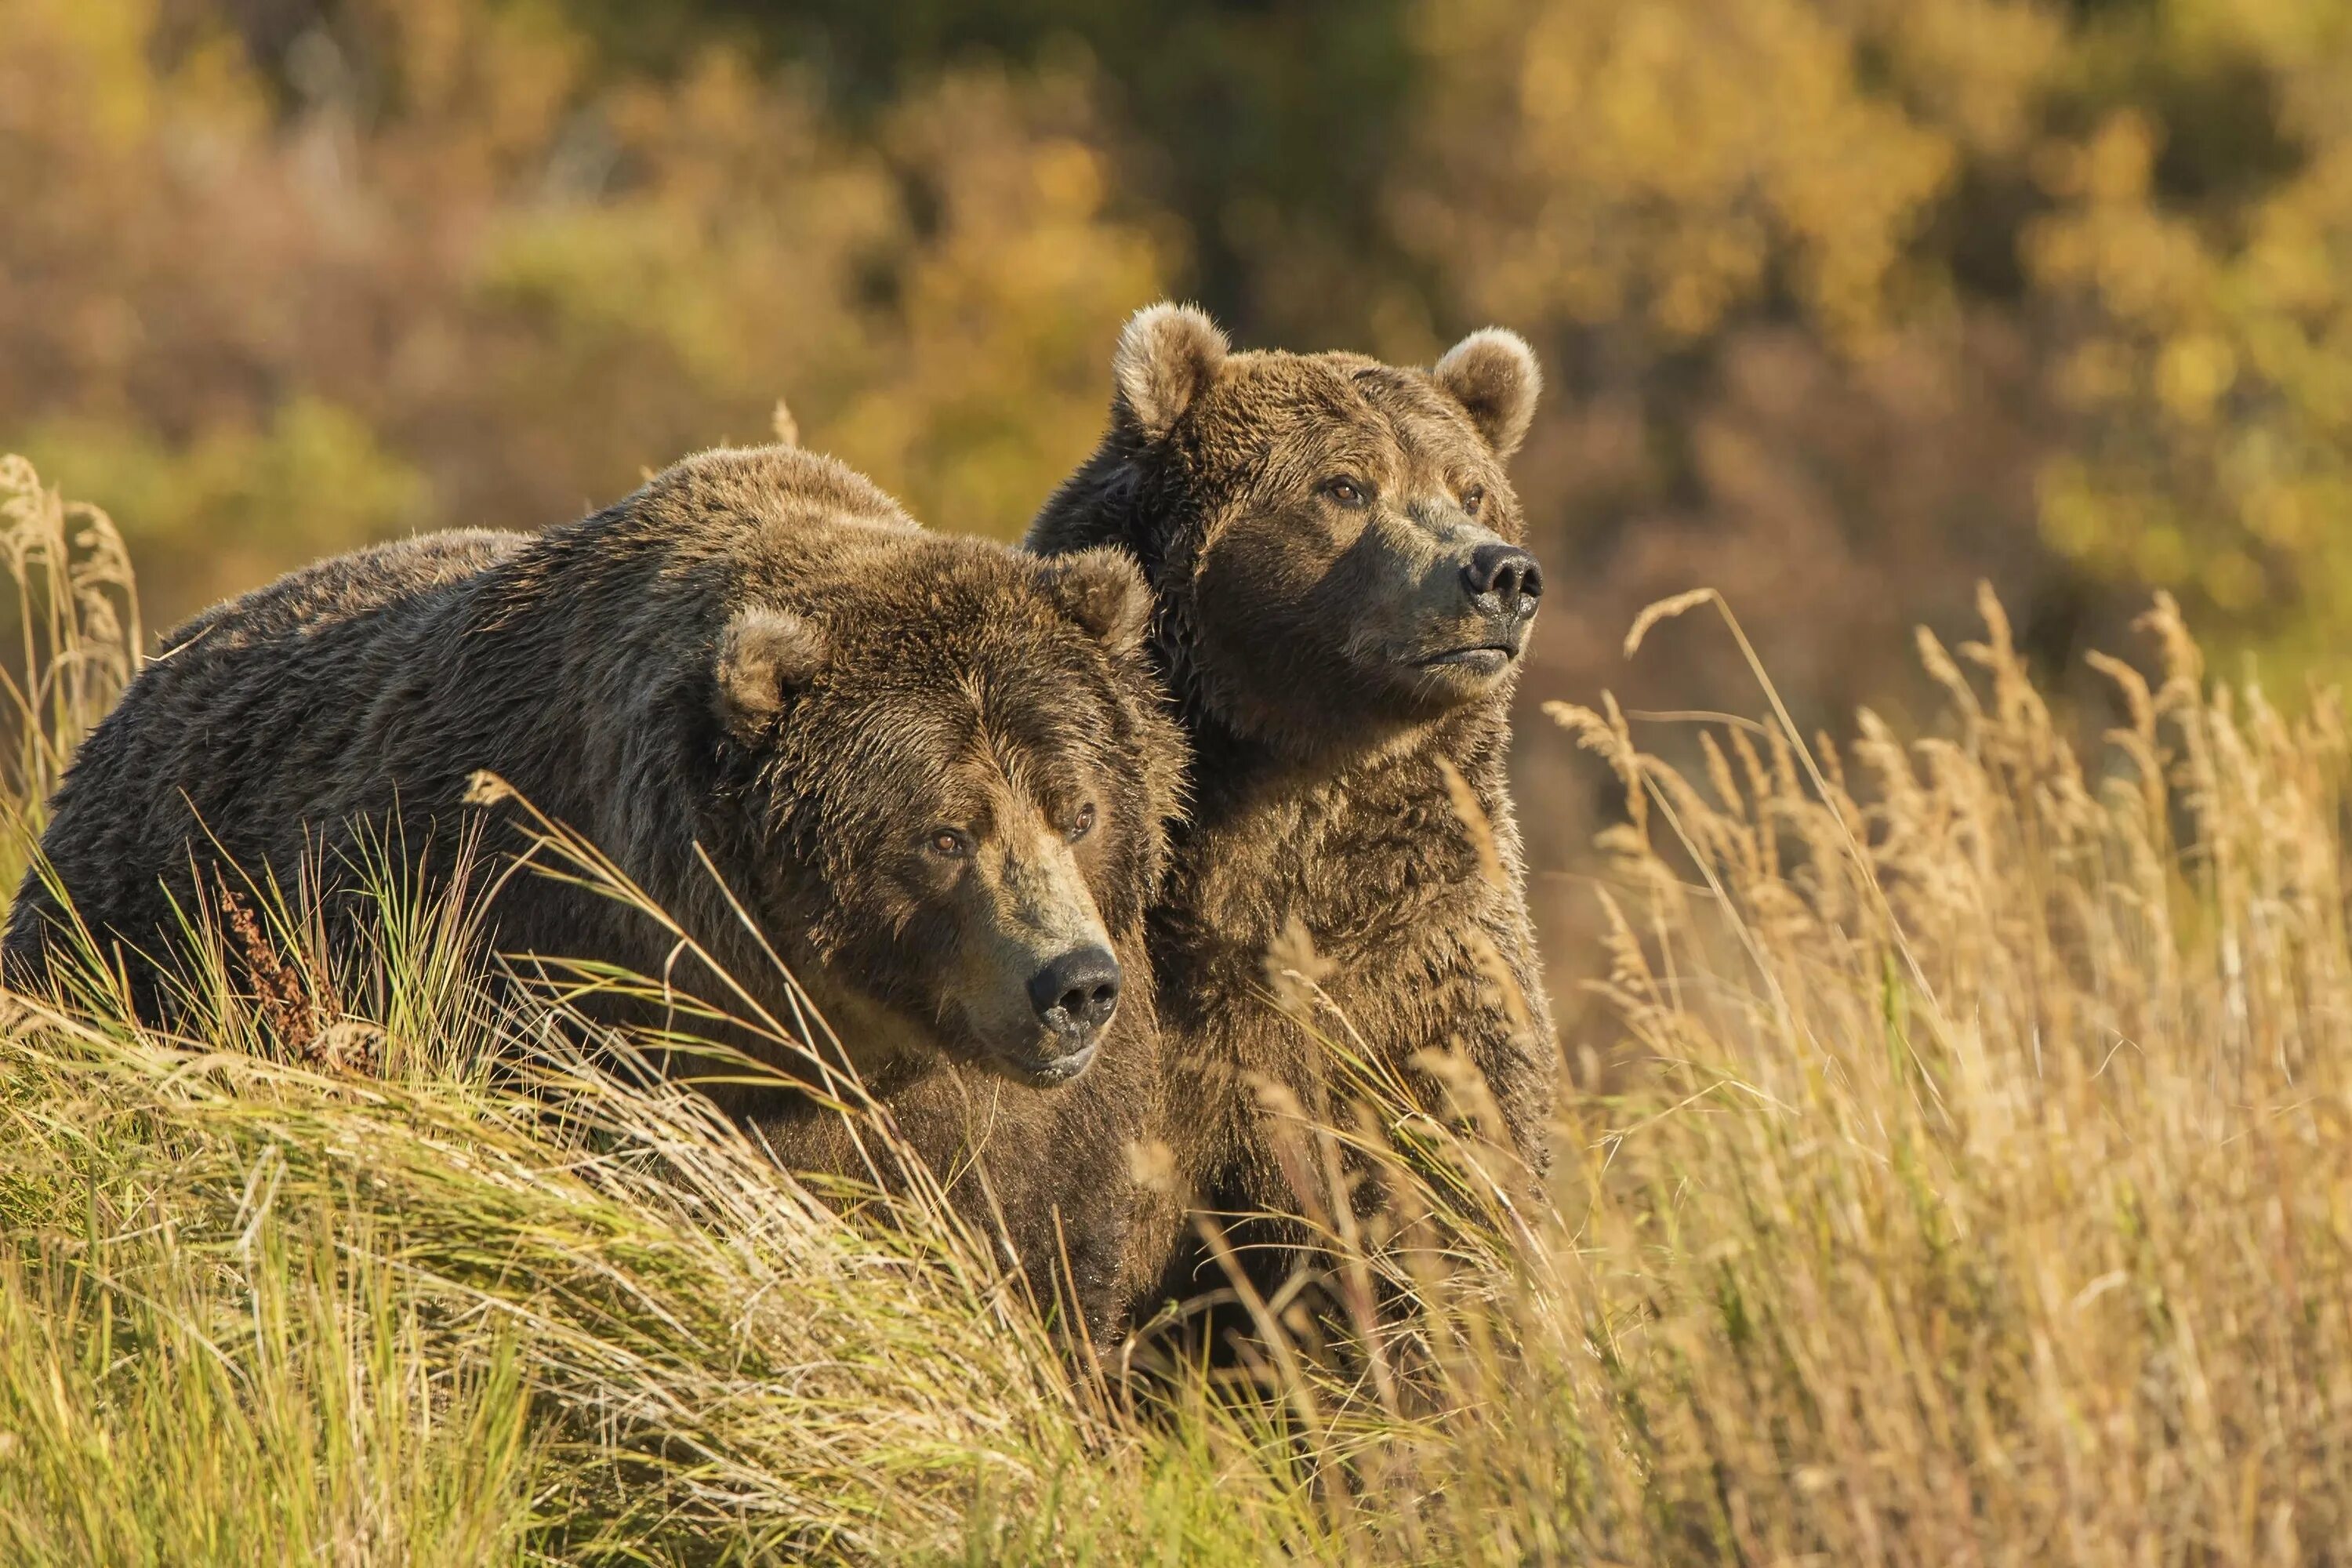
1003,309
237,504
462,278
1659,165
2197,255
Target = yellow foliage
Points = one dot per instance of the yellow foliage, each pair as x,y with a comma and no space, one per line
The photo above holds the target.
2221,332
1610,158
230,505
996,385
494,287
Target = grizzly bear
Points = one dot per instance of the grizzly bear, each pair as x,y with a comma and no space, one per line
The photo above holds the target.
929,774
1342,609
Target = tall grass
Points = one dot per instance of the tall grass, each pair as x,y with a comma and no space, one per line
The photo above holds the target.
1957,1170
76,610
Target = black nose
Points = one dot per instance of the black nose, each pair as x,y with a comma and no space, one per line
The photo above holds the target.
1076,994
1509,572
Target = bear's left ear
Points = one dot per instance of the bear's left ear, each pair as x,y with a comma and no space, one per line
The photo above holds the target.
1167,355
1493,374
765,657
1103,590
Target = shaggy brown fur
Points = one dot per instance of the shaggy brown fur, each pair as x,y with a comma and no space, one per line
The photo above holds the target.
932,770
1341,610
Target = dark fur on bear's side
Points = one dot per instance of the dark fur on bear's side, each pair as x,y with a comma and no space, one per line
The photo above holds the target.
1306,521
757,654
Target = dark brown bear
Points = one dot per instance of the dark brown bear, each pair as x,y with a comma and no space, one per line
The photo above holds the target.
1342,609
934,771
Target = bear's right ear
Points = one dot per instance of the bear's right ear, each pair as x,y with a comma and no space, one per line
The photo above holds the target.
766,655
1103,590
1166,356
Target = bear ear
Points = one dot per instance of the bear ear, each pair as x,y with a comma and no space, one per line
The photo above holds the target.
1493,375
1103,590
764,658
1166,356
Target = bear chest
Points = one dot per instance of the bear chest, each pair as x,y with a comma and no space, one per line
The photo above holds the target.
1365,878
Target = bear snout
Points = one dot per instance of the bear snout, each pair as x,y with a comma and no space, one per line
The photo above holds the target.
1506,573
1075,994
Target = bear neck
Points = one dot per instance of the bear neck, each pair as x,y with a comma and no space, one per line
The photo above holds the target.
1234,773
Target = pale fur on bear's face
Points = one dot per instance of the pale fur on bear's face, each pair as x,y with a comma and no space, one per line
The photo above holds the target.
963,818
1355,564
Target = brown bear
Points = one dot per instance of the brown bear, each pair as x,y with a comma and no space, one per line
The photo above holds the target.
932,771
1343,608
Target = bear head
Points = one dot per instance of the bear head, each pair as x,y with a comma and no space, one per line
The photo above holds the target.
1334,542
951,781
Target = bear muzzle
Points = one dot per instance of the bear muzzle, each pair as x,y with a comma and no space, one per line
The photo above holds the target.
1075,994
1073,997
1497,590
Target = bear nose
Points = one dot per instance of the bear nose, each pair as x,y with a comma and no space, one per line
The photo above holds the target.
1075,994
1509,572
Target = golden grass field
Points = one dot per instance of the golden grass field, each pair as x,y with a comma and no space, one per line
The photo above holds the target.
1953,1168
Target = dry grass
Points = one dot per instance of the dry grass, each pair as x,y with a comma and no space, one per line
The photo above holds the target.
1993,1197
78,638
1972,1185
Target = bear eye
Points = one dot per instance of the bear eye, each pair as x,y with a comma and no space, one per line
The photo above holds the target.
950,844
1082,823
1473,498
1346,490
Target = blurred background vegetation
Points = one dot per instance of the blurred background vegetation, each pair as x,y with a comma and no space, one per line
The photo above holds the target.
1845,304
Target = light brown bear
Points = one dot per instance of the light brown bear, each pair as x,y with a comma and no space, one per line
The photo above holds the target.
1343,608
933,771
